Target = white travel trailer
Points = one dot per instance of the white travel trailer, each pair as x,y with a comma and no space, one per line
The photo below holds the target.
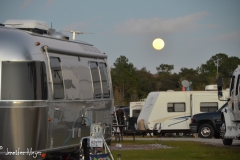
55,94
231,115
136,107
171,111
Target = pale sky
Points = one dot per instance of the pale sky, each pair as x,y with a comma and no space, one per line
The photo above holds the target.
193,30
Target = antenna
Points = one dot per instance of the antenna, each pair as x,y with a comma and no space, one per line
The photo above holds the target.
76,32
186,84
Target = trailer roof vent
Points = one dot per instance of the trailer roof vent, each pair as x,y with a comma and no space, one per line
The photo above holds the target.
211,88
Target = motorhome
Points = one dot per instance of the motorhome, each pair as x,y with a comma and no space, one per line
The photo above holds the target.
171,111
231,115
55,93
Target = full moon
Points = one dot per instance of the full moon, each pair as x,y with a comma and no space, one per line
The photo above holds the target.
158,44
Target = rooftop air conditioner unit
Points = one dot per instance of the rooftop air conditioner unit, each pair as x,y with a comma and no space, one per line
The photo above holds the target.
26,24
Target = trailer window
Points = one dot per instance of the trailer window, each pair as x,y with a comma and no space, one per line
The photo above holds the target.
176,107
57,78
24,81
136,112
104,78
208,106
96,79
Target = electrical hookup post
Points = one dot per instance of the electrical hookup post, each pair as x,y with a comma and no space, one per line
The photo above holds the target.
96,148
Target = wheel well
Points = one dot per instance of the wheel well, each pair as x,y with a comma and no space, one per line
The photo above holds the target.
205,122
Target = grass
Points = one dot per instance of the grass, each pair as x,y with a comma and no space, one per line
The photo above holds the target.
180,151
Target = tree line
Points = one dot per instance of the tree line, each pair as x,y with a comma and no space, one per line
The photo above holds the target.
131,84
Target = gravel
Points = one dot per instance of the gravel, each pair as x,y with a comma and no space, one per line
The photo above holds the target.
139,147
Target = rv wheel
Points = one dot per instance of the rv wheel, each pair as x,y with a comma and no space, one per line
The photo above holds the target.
206,131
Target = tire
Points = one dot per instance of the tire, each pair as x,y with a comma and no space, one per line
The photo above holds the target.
206,131
227,142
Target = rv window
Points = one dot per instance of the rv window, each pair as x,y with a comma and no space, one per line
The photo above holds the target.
95,79
35,30
136,112
57,78
24,81
208,106
232,85
104,77
176,107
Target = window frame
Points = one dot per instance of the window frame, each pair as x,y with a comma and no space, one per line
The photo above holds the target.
206,105
36,75
102,80
96,81
101,73
60,74
174,107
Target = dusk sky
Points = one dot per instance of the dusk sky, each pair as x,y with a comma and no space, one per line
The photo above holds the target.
193,30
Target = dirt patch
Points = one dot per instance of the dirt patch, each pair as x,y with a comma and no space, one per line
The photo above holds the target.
139,147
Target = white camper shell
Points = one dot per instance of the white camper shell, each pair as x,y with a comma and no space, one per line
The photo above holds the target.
172,111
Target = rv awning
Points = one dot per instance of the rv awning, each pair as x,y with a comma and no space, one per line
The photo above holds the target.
74,53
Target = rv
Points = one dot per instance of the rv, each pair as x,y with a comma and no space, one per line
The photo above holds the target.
171,111
136,107
231,115
127,116
56,96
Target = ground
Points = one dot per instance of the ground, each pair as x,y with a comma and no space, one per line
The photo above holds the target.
137,147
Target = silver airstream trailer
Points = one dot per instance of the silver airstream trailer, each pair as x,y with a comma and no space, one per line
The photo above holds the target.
55,93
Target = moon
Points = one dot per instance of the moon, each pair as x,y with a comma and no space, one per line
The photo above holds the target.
158,44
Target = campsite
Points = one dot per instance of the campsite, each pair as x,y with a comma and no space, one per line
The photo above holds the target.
119,80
